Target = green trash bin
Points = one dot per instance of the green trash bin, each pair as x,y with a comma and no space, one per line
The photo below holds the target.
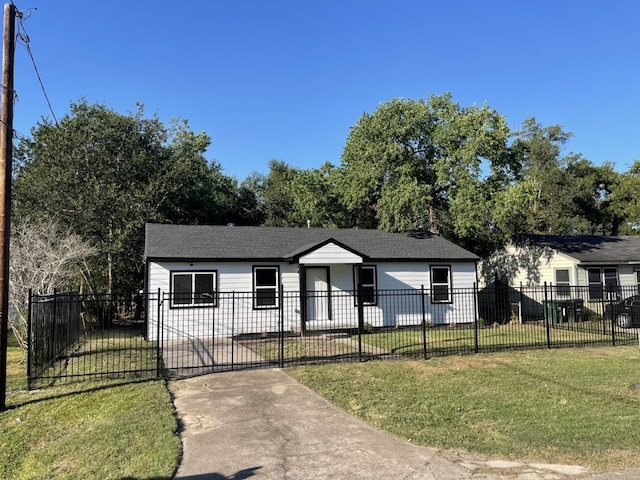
553,311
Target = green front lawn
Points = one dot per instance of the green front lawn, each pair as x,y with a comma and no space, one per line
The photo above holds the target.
89,430
570,406
447,340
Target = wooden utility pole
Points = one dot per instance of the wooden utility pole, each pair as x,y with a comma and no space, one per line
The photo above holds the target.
6,159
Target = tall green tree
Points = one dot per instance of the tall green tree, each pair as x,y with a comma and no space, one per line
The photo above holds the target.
625,200
549,193
191,189
417,165
316,198
539,178
103,174
274,194
592,210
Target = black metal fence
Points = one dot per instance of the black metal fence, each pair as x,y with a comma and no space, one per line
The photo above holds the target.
73,336
79,336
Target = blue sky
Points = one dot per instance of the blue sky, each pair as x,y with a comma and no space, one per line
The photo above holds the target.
287,79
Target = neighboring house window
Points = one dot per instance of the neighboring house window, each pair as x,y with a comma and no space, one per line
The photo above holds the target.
368,283
563,283
611,286
603,283
440,284
191,289
638,280
265,287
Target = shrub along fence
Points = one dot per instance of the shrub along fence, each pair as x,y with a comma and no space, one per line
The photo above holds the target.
76,336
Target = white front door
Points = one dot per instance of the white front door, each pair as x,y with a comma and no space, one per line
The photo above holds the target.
318,300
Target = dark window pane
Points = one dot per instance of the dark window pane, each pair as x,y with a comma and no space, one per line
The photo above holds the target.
265,277
182,289
204,288
562,276
266,297
594,275
595,283
440,293
562,283
595,292
368,295
440,275
367,276
611,277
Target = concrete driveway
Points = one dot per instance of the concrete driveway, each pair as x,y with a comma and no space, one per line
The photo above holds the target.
264,424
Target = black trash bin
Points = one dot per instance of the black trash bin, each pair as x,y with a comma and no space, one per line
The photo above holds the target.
572,310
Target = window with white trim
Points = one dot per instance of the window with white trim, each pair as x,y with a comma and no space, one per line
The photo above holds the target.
440,284
638,280
368,284
193,289
265,287
603,283
563,282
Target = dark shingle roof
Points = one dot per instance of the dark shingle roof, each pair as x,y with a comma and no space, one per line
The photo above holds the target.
229,243
592,248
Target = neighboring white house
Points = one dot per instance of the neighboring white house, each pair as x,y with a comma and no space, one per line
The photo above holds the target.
595,269
218,277
563,260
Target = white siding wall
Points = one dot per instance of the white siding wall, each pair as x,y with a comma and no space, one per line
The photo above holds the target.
222,319
403,310
330,254
391,310
540,266
398,301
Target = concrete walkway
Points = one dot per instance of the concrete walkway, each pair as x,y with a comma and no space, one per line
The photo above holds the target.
264,424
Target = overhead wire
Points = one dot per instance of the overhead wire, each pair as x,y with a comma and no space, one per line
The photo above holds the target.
23,37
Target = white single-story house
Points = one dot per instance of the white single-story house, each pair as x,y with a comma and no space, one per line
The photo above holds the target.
595,269
564,260
265,278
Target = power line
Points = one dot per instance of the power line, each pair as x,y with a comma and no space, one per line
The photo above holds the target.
23,37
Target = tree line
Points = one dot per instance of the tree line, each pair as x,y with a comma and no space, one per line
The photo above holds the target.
96,176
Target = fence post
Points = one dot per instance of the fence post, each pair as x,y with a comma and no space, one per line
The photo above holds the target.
603,309
53,325
281,326
613,322
233,326
424,323
29,342
159,326
520,301
546,315
476,327
304,295
360,312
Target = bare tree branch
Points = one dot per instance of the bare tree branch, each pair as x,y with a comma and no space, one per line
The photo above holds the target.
43,257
